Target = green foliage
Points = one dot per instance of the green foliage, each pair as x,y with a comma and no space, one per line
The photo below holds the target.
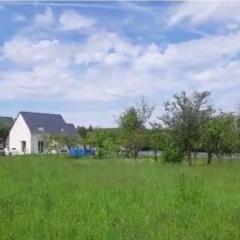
82,131
4,130
54,197
105,142
132,142
172,153
219,135
132,123
184,117
156,139
60,141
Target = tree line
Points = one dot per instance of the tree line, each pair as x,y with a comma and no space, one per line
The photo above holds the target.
189,125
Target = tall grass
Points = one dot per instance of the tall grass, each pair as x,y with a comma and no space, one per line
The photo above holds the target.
59,198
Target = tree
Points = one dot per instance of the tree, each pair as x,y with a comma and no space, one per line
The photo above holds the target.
82,131
90,128
105,142
237,122
59,141
53,142
156,139
3,131
132,123
219,136
184,117
172,153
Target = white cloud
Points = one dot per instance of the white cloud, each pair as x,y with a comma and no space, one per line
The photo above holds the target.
204,12
106,67
45,18
79,68
72,20
25,51
200,53
94,117
104,45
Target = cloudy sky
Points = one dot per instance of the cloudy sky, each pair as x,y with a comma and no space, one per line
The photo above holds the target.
90,60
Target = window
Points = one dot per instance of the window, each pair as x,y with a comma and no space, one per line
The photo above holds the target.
40,146
40,129
62,129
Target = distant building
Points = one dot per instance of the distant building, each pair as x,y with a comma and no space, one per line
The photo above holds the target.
26,134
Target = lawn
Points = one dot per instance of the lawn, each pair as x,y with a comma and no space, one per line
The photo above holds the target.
56,197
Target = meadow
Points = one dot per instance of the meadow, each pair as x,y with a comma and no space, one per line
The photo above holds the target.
55,197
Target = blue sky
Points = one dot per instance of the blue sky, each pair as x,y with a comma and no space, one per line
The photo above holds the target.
90,60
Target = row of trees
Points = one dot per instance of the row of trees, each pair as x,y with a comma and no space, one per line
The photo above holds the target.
189,125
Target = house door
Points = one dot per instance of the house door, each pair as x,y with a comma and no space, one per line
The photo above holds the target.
40,146
23,146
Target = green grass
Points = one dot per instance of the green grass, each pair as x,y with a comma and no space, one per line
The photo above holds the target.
59,198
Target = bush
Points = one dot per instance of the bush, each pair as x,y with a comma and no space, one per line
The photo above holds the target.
172,153
105,143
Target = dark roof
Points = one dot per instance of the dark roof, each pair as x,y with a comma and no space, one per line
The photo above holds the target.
47,123
6,121
70,128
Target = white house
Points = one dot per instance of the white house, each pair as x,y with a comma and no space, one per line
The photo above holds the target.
26,134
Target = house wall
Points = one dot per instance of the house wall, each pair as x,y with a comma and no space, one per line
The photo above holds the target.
20,132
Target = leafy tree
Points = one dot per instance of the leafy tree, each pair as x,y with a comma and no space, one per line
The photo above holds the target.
53,142
82,131
73,140
132,124
4,131
104,141
156,139
90,128
184,117
237,123
219,136
59,141
172,153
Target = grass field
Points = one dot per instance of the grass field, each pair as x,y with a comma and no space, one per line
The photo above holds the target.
59,198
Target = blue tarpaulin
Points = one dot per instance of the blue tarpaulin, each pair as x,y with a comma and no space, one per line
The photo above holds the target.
80,152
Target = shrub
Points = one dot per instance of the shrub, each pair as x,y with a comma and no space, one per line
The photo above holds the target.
172,153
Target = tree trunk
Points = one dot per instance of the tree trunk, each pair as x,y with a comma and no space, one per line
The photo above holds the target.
189,155
209,158
135,154
155,156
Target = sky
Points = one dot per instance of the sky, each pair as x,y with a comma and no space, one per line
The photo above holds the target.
90,60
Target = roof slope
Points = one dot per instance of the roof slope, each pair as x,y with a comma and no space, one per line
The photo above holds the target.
6,121
47,123
69,127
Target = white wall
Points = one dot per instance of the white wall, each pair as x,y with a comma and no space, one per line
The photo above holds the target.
20,132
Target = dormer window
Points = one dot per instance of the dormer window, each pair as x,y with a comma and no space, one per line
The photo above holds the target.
41,129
